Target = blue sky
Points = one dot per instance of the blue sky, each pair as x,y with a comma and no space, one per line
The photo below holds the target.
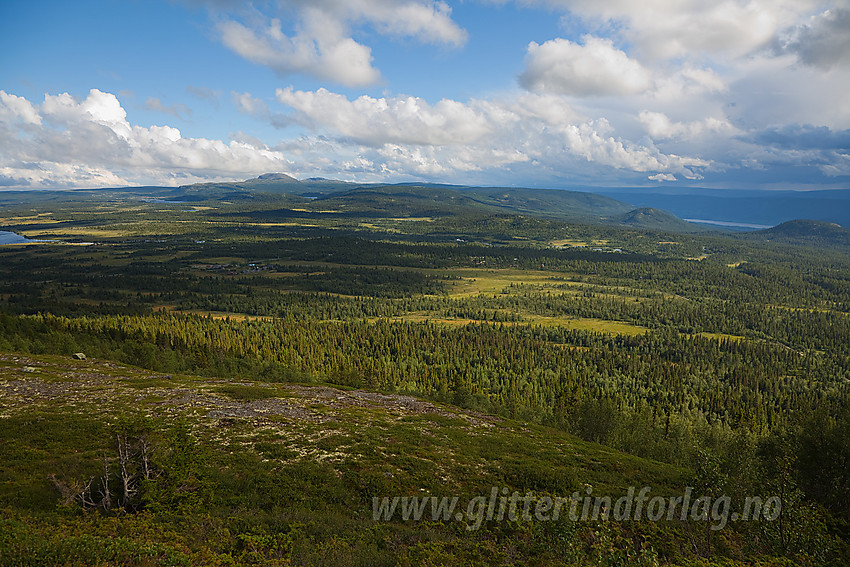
545,93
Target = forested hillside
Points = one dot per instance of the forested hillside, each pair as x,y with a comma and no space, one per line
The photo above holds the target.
716,361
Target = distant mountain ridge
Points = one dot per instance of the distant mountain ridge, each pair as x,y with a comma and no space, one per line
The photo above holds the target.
282,195
650,218
431,199
277,177
808,231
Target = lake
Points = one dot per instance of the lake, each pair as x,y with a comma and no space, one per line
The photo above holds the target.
730,224
7,237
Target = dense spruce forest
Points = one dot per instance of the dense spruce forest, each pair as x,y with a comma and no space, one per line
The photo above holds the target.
717,361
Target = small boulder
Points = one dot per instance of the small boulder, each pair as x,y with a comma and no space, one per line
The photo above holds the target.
78,356
27,369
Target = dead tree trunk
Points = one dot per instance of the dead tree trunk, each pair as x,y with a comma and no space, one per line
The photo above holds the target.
106,501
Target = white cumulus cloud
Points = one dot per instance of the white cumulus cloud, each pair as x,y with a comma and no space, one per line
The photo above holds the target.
323,51
395,120
407,134
321,43
428,21
249,104
695,78
660,127
665,29
65,142
595,67
17,109
662,177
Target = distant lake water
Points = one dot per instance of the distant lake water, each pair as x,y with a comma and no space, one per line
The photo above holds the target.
729,224
7,237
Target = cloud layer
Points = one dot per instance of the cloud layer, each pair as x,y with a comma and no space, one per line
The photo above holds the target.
65,142
660,29
656,91
407,135
321,44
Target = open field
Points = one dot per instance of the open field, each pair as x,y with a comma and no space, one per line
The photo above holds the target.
477,281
